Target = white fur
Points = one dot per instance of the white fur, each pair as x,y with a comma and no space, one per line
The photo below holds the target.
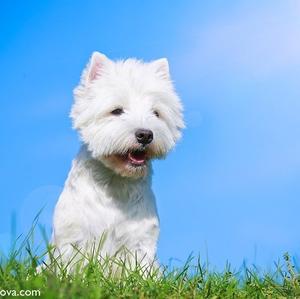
103,195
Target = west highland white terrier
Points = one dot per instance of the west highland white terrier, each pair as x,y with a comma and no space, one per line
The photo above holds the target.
127,113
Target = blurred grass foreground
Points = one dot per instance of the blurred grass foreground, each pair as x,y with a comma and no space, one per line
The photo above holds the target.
24,271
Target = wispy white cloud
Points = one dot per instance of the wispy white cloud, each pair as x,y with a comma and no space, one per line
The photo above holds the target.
260,40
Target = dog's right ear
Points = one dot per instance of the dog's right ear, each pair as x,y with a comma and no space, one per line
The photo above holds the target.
95,66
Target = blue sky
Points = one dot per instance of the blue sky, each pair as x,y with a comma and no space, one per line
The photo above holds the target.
231,189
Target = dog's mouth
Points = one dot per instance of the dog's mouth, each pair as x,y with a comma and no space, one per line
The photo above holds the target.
135,157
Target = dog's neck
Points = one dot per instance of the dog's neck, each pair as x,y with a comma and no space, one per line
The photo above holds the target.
106,177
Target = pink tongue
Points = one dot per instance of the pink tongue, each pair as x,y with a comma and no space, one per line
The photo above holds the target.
137,157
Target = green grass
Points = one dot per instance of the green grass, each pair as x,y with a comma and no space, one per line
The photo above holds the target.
96,280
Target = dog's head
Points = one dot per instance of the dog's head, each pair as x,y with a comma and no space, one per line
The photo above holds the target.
127,112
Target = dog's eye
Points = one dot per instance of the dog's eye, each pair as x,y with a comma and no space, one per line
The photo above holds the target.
117,111
156,113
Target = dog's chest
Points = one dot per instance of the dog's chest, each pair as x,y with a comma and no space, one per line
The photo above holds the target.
118,210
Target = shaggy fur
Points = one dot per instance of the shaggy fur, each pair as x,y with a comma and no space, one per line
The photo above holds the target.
108,190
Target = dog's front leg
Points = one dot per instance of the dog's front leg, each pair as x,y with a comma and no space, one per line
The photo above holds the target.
136,243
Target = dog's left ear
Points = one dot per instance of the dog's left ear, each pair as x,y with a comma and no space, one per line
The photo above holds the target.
96,65
161,67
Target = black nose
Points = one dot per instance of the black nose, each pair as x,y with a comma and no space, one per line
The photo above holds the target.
144,136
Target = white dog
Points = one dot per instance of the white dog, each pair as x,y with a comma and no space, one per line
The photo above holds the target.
127,113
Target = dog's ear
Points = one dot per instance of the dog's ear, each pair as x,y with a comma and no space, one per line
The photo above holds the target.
161,67
96,64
